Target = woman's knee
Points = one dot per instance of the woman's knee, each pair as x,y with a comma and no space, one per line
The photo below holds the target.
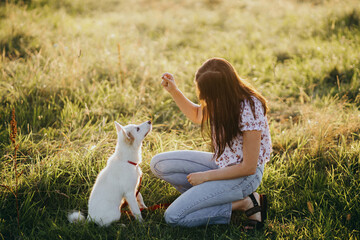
171,217
156,166
154,161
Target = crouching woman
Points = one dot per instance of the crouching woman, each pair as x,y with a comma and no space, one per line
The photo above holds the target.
215,184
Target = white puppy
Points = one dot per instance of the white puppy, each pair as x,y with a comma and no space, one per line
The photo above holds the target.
119,179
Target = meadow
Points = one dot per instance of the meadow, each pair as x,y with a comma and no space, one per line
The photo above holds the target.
70,68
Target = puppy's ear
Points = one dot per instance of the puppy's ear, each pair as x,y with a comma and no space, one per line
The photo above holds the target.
128,136
118,127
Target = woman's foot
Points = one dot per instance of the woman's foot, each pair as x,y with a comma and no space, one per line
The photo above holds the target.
256,216
252,206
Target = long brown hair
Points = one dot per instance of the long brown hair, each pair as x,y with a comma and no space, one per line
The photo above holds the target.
222,93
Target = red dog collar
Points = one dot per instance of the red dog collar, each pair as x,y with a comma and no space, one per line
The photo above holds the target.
135,164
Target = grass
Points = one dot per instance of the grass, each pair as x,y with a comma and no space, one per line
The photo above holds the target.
70,69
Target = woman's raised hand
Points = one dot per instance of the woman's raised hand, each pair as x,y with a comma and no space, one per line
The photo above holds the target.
168,82
190,109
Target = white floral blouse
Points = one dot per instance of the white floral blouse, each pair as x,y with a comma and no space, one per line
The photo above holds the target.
249,123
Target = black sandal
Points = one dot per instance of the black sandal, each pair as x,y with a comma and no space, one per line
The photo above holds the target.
254,224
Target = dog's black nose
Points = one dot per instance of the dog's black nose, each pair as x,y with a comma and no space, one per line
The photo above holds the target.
149,122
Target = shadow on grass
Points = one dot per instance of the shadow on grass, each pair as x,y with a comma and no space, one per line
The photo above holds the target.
19,45
342,83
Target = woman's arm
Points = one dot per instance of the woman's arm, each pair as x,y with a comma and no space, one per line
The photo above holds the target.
251,150
191,110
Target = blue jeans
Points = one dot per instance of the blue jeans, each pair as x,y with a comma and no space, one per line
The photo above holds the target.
206,203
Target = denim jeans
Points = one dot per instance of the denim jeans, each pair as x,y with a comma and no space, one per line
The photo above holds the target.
206,203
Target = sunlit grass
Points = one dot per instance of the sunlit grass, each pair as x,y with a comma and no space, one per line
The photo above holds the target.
71,68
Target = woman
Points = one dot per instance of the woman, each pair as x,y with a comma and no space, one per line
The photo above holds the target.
213,185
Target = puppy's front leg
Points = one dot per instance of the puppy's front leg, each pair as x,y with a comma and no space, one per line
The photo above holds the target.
130,198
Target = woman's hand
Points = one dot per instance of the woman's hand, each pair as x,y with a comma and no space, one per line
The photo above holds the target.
168,82
197,178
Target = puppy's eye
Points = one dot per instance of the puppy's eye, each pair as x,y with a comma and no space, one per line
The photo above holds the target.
137,129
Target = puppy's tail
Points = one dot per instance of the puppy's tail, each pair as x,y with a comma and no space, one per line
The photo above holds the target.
76,217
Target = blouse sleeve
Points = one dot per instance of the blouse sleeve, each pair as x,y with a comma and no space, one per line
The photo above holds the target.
249,122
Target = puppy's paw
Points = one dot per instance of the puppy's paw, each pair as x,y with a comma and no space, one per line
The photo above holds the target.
142,206
140,201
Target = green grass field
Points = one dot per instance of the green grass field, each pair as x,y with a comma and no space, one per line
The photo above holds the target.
71,68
